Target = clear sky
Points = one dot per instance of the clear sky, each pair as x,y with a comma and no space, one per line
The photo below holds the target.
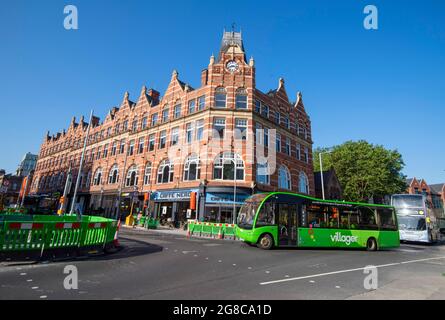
386,86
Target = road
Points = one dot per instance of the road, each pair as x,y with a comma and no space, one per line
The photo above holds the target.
154,265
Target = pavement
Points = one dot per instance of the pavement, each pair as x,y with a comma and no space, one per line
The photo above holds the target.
164,264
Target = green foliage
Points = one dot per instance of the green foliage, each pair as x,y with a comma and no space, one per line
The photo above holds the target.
365,171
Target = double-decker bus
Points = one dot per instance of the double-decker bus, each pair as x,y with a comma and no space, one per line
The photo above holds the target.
418,220
283,219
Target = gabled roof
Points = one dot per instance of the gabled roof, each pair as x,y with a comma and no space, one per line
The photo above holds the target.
437,188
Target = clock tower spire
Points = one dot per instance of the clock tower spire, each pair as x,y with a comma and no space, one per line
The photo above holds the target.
232,46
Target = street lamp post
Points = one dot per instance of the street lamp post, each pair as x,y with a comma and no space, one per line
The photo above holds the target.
234,188
321,173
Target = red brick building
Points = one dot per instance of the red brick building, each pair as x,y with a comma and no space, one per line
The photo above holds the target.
167,148
435,193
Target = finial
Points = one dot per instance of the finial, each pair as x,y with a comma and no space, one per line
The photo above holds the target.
212,59
175,73
251,62
126,95
280,82
143,90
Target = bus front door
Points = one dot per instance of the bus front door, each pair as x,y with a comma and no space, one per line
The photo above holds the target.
287,225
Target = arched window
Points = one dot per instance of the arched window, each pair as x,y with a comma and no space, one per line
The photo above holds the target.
113,177
284,180
303,184
165,172
223,168
241,98
132,176
147,173
97,177
192,168
220,97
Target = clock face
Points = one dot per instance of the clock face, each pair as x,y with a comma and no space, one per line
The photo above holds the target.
232,66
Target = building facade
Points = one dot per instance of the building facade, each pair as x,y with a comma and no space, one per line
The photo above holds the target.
27,164
157,153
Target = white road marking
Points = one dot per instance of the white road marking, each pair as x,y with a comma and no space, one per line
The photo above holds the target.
286,276
23,274
219,260
348,270
250,268
212,244
43,297
311,281
207,258
267,271
234,264
34,288
337,287
29,280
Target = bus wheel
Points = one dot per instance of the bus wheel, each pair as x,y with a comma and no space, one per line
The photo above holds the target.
371,244
265,242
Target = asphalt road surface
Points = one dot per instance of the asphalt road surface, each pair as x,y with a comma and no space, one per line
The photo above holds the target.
154,265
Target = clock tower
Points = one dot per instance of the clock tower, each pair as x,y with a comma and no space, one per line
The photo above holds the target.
231,70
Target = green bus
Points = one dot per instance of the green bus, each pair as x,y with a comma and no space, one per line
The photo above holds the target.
283,219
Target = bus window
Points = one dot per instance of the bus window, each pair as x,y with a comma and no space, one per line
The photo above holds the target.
367,219
332,217
316,216
266,217
354,220
344,219
386,219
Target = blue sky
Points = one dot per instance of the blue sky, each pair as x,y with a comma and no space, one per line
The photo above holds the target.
386,86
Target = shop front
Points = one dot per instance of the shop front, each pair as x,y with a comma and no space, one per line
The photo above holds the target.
222,205
174,205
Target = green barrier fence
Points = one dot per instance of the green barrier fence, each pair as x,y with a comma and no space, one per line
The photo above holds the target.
151,223
209,229
53,232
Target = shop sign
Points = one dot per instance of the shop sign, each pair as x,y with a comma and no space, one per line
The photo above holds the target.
225,198
179,195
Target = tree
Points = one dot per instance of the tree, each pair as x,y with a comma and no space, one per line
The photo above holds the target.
365,171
